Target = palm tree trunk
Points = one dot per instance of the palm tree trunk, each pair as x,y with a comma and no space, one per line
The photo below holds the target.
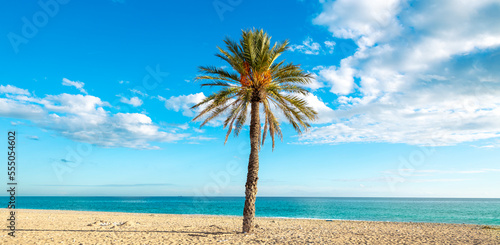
253,169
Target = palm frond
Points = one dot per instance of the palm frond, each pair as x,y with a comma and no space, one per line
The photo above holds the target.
255,76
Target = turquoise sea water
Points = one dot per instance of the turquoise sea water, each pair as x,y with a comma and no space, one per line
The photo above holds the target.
437,210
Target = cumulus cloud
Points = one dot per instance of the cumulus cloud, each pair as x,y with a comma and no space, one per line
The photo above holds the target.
396,120
425,73
17,109
134,101
9,89
83,118
308,46
183,103
314,84
341,79
325,113
330,45
367,21
77,84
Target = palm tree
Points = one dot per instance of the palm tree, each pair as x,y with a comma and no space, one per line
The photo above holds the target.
256,79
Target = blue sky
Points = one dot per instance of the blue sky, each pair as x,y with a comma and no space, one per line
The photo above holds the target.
408,95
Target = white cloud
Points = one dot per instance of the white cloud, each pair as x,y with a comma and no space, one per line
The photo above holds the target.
314,84
77,84
9,89
183,126
14,109
134,101
183,103
201,138
159,97
33,137
74,104
83,118
489,145
139,92
330,45
325,113
428,72
132,130
367,21
308,46
382,122
341,79
199,130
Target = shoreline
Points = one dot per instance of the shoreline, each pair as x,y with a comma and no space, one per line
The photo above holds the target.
265,217
41,226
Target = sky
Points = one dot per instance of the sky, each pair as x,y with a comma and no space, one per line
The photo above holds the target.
99,94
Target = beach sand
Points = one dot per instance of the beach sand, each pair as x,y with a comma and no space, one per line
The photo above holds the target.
78,227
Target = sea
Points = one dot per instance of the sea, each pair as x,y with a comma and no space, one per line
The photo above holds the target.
434,210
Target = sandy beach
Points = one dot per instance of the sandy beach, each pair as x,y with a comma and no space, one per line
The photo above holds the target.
78,227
